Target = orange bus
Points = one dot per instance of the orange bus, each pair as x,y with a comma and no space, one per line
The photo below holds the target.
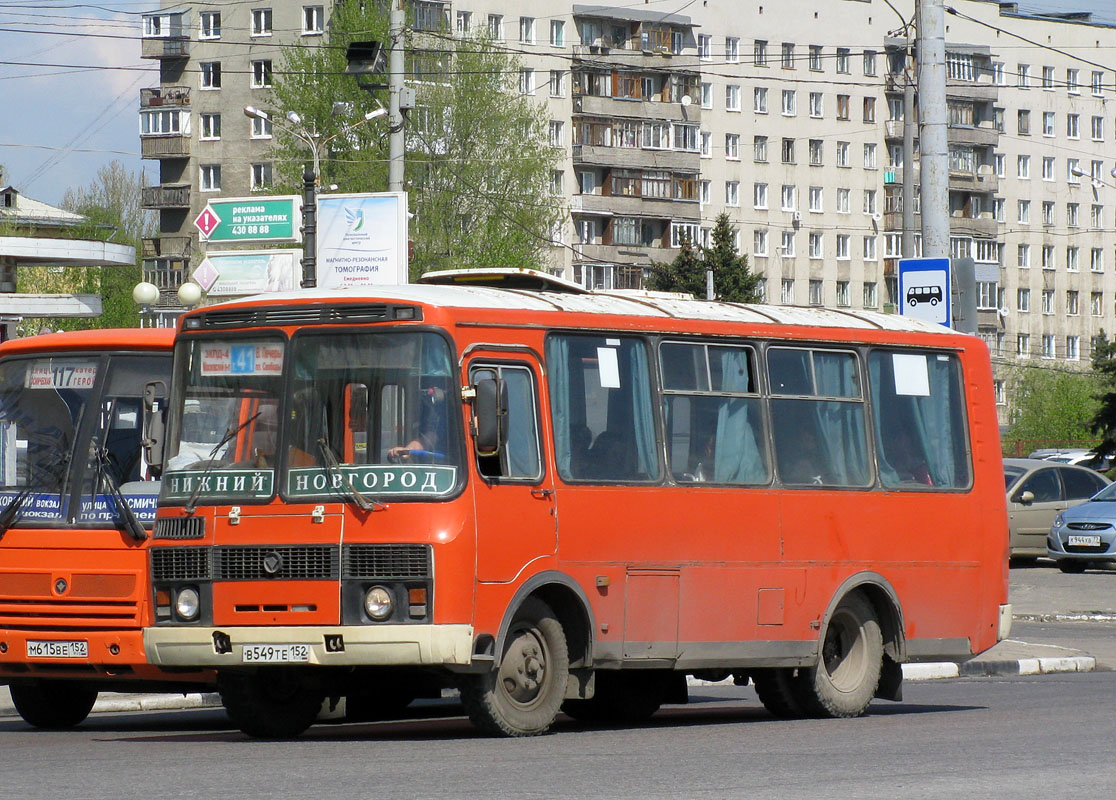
564,500
77,501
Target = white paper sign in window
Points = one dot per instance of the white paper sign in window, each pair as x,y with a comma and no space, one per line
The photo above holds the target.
912,378
608,368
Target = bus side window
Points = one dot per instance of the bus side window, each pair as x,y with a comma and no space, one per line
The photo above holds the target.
519,458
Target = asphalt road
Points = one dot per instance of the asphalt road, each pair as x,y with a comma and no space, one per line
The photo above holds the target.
989,738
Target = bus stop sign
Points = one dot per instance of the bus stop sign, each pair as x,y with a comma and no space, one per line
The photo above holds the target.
924,285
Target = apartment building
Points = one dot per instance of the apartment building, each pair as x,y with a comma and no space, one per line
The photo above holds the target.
786,115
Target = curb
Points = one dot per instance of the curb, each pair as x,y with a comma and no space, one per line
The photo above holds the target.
112,702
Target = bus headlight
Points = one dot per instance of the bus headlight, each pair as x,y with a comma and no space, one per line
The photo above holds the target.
378,603
187,603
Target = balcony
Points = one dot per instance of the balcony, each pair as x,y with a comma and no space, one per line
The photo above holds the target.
164,146
983,226
167,247
170,196
622,253
983,181
165,96
893,129
165,47
980,136
598,106
962,90
636,158
624,206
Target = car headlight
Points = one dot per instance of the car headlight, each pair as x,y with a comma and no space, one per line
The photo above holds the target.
187,603
1059,521
378,603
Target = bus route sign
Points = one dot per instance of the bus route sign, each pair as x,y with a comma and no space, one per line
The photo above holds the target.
251,219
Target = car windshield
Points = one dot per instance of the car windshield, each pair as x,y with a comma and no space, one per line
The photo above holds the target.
224,422
1011,475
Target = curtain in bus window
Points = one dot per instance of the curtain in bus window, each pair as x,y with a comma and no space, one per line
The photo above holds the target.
643,421
738,457
558,362
919,420
841,425
522,447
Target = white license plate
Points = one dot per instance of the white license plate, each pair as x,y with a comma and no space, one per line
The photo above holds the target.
276,653
74,649
1083,541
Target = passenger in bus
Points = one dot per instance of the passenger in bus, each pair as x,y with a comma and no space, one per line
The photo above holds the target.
805,463
906,457
609,458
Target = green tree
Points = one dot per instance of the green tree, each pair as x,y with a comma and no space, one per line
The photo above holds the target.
1052,407
113,208
1104,368
478,161
733,282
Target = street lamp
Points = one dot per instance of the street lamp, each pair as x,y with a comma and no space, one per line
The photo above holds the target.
310,178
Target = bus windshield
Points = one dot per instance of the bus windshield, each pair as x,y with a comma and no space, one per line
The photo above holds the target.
367,412
75,421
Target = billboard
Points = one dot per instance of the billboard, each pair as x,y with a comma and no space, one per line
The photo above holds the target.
236,273
362,239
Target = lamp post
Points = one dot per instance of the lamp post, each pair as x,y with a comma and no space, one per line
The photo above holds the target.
311,178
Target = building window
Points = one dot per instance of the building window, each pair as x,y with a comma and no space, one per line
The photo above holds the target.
1023,76
842,154
210,126
759,53
1048,302
816,152
163,122
557,133
1096,129
759,100
789,104
1023,345
869,109
210,74
705,47
313,22
1047,212
789,198
732,97
706,144
959,67
869,155
815,292
759,149
842,106
732,146
1096,304
816,57
1072,214
706,95
1073,170
759,242
788,55
870,248
705,197
1096,259
1024,216
496,27
759,195
1048,256
557,33
1048,345
526,30
261,128
210,177
786,246
786,292
843,247
732,193
842,60
261,74
1048,78
210,27
1048,168
1072,260
1098,83
1022,163
843,200
869,64
732,49
1072,83
1047,123
815,245
1023,122
870,297
788,151
526,81
464,22
261,21
870,205
1073,126
1023,301
261,176
816,107
1073,348
1072,303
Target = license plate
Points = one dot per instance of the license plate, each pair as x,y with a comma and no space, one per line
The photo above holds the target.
276,653
75,649
1083,541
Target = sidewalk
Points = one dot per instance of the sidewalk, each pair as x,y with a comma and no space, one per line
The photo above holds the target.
1009,657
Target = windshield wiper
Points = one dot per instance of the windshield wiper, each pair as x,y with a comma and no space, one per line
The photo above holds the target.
333,465
192,502
131,523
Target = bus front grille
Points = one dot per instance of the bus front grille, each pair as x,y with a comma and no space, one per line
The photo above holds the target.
87,601
381,561
179,564
299,562
180,528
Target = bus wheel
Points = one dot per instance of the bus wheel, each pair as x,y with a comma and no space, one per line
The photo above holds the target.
621,696
778,691
55,705
270,704
522,695
847,673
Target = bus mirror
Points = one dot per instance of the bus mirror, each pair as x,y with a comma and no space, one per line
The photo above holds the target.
358,407
490,413
154,424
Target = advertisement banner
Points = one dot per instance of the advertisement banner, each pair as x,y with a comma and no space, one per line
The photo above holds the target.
362,239
245,272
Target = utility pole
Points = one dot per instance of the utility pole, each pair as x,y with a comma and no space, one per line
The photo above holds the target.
397,24
933,129
908,248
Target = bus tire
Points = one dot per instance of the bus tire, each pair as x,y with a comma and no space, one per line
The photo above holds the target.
521,697
778,691
53,705
844,680
621,696
270,704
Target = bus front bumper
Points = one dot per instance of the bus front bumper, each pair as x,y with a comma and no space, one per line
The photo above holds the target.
327,645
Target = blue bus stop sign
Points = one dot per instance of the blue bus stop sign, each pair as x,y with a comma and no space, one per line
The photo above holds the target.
924,286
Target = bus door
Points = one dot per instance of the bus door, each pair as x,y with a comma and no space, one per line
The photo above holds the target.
516,521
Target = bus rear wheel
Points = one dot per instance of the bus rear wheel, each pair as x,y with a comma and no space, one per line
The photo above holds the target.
54,705
844,680
270,704
778,690
522,695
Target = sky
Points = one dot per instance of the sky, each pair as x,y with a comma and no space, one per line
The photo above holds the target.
69,90
60,123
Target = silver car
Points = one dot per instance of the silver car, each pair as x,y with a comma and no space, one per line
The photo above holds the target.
1085,535
1037,491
